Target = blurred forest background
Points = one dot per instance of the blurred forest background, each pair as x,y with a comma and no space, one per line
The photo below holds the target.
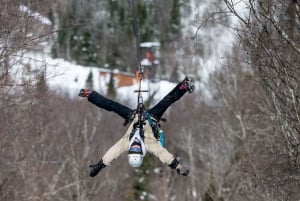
242,144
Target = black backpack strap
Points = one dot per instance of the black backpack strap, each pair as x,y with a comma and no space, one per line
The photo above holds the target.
136,126
130,118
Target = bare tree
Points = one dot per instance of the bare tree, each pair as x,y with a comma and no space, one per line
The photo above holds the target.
271,42
269,38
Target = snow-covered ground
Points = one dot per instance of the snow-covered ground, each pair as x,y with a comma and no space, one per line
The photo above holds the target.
70,78
35,15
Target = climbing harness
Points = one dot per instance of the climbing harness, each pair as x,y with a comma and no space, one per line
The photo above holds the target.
157,131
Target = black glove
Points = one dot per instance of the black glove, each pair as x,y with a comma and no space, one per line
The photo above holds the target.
179,168
182,170
95,169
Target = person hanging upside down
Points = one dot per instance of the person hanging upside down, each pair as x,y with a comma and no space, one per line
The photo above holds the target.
140,138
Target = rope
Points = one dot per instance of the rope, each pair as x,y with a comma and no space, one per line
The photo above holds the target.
138,55
136,32
140,72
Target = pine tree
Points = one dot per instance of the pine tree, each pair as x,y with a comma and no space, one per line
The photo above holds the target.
175,17
111,91
41,84
89,82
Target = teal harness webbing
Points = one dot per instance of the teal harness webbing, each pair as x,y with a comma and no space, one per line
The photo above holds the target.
157,131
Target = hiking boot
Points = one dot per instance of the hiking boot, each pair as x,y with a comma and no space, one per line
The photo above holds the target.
188,85
95,169
84,92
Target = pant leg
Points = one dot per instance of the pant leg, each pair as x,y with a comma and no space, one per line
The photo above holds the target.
116,150
153,146
158,110
119,148
109,105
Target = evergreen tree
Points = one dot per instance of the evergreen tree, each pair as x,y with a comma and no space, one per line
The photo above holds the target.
111,91
75,38
174,76
41,84
91,32
89,82
141,180
175,17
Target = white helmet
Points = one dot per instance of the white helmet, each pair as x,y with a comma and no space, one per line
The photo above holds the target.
135,153
135,160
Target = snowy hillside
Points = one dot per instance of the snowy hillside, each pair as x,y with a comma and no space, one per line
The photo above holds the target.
70,78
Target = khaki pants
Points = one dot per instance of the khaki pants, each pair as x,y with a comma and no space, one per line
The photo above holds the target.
152,145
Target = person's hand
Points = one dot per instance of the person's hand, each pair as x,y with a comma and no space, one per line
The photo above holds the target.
95,168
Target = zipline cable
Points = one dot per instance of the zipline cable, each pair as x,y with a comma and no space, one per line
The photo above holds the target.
136,32
140,73
138,55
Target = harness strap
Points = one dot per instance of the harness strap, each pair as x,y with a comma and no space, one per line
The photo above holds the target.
157,131
136,125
